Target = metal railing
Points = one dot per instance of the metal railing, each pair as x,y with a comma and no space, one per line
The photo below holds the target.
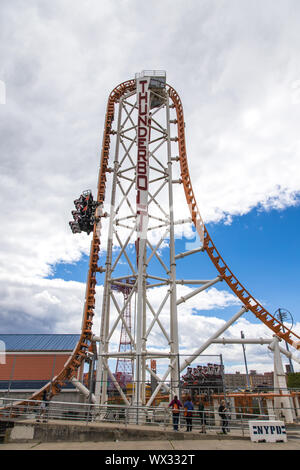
88,413
151,73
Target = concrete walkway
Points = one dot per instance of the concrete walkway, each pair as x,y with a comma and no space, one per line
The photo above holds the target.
70,435
169,445
76,431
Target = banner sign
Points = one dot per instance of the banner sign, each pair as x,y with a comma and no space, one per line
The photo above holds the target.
142,167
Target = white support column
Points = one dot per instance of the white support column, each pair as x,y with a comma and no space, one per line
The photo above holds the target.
289,355
242,341
270,409
282,404
188,253
198,290
82,389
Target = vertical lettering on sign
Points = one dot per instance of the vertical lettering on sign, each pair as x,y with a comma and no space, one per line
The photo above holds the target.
142,166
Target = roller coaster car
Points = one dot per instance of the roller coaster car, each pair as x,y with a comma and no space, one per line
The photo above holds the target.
203,374
84,215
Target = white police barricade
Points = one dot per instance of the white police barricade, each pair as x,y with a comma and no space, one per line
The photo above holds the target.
267,431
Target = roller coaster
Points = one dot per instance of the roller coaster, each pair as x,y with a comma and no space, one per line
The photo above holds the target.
141,100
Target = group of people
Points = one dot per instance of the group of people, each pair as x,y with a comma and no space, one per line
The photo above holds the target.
84,214
189,413
198,413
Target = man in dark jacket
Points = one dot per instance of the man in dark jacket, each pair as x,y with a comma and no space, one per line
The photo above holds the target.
223,415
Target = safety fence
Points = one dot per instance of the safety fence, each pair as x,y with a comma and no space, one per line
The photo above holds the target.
160,416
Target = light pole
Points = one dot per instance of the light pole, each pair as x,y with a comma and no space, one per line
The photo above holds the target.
246,367
283,314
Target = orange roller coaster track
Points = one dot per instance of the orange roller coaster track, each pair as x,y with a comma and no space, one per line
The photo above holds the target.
80,352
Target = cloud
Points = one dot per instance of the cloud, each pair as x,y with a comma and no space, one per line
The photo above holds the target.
32,305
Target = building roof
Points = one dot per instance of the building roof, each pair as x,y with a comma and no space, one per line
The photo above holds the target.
39,342
29,385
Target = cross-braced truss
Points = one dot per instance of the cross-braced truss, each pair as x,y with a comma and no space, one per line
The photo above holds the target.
122,249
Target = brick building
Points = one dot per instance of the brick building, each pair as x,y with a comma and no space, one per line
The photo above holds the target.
238,380
31,360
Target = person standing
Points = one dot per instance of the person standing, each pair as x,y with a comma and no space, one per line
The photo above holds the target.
222,413
176,405
43,408
188,412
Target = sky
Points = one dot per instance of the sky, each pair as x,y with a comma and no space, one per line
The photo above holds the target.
235,65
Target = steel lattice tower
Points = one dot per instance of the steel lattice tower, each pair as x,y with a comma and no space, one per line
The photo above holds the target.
141,205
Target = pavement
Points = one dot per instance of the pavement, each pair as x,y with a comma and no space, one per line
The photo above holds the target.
181,441
212,444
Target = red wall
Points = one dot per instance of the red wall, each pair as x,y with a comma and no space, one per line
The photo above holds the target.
32,366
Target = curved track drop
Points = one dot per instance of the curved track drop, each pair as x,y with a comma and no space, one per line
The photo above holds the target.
118,95
239,290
